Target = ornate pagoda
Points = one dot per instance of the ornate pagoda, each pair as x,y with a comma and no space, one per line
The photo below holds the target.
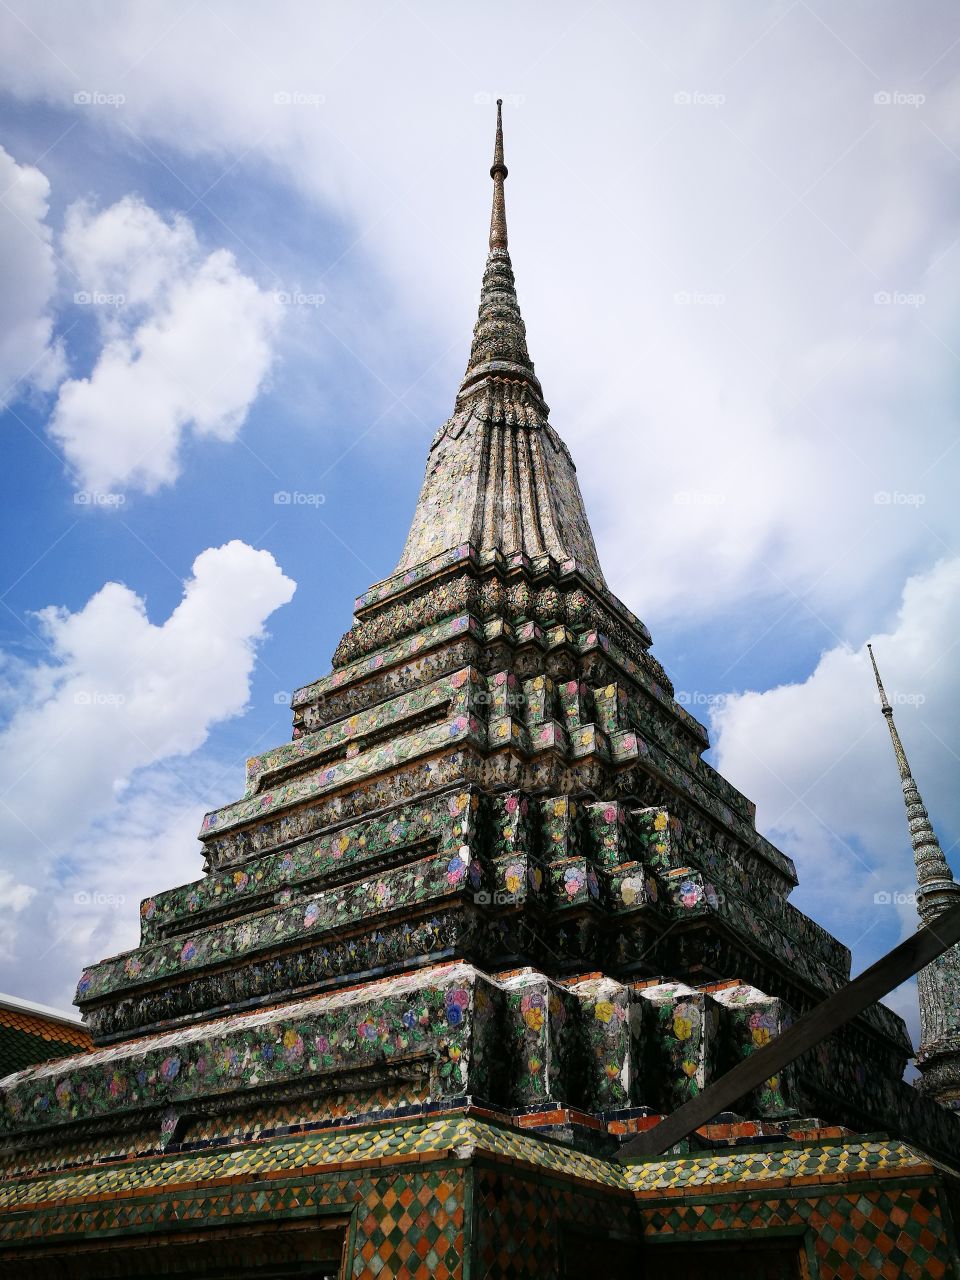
489,915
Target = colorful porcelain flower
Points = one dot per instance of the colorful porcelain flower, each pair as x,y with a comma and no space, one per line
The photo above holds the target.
292,1046
689,893
188,951
573,881
631,890
170,1068
513,877
682,1027
603,1011
534,1019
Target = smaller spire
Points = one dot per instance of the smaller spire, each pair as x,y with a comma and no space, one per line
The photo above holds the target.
937,887
498,172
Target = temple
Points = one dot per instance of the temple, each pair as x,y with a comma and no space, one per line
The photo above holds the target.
486,917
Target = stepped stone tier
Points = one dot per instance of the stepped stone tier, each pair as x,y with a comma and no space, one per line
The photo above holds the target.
487,915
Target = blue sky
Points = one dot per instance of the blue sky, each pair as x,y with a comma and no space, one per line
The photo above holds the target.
735,239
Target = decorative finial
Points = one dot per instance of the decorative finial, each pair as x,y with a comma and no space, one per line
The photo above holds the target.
938,985
885,705
902,762
498,171
935,882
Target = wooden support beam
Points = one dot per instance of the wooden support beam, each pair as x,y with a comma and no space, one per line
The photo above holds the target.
879,980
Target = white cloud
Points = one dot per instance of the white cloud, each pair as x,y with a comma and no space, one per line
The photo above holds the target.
188,344
122,692
13,896
86,905
95,803
816,758
28,354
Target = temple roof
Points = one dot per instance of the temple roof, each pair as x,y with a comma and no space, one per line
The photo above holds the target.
498,475
31,1033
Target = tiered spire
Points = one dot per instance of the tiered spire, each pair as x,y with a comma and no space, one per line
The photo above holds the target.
500,337
937,889
938,1055
498,476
